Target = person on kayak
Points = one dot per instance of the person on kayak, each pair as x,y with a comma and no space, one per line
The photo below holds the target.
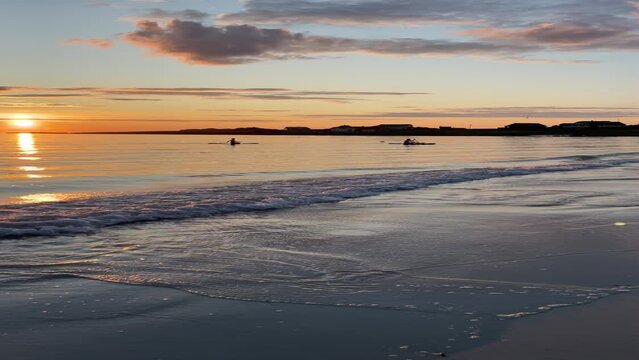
233,142
410,141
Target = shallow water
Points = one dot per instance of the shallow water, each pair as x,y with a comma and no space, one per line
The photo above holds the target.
481,229
38,167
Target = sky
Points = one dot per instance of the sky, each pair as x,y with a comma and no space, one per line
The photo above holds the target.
125,65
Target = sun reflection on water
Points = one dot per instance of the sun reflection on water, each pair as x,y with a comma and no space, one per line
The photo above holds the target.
31,168
36,176
52,197
27,144
27,148
39,198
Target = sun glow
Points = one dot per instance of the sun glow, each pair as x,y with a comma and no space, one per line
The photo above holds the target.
22,121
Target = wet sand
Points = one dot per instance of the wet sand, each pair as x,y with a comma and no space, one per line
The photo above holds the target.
83,319
80,319
605,329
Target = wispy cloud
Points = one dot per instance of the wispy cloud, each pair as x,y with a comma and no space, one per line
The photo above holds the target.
402,12
132,99
29,105
529,60
565,36
98,43
155,94
542,112
42,95
156,14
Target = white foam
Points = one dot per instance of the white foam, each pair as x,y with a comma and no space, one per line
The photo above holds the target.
88,215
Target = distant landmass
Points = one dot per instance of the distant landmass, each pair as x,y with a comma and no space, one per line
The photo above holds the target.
580,128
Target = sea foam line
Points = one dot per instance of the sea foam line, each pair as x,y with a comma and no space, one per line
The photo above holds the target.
84,216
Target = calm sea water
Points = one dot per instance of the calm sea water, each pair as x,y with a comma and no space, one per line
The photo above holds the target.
47,167
479,229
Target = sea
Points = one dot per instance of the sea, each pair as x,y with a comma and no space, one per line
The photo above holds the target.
481,230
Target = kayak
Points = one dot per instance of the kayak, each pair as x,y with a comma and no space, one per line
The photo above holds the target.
243,143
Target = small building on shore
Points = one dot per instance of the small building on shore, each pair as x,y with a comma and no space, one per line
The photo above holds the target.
581,125
298,130
343,129
394,127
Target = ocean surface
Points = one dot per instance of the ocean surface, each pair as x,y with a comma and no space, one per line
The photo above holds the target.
483,230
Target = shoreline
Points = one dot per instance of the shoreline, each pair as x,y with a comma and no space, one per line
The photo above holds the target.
74,318
464,133
78,318
604,329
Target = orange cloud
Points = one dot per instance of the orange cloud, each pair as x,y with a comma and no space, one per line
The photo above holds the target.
558,34
99,43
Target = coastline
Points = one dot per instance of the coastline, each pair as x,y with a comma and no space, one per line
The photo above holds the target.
631,132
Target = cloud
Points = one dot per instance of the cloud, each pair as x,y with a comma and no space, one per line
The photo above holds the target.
21,105
42,95
155,94
551,25
360,12
142,120
132,99
502,30
543,112
238,110
195,43
364,93
99,43
552,33
402,12
524,59
157,14
565,36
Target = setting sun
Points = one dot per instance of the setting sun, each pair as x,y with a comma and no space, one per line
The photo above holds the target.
22,121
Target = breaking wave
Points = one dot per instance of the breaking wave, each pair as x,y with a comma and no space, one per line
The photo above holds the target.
83,216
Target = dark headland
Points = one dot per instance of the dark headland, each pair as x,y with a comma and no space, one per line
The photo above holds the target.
580,128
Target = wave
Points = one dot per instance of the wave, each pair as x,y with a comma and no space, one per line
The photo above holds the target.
84,216
578,157
310,172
